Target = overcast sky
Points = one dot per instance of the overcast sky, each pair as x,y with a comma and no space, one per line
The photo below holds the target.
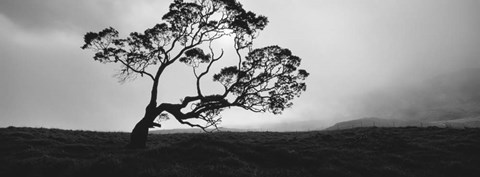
350,47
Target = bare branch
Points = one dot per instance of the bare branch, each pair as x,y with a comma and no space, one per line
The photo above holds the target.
134,70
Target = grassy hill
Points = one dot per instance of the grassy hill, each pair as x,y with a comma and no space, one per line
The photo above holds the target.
354,152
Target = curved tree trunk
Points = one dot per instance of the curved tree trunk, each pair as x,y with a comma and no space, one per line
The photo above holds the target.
138,137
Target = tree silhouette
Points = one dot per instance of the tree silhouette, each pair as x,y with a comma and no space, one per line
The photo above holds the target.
264,80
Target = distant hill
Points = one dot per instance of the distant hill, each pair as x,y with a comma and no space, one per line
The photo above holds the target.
471,122
374,122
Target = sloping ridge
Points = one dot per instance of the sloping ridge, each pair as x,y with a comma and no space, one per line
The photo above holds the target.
470,122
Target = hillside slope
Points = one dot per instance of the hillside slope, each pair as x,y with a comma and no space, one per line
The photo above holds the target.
470,122
353,152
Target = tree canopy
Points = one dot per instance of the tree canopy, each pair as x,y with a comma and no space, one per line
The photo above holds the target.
265,79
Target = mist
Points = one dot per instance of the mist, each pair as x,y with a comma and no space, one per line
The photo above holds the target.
389,59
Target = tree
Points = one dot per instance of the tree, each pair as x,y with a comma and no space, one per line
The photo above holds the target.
262,80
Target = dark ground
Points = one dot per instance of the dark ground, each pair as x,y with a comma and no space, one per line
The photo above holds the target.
354,152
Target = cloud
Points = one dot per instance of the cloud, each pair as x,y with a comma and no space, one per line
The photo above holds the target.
81,16
60,14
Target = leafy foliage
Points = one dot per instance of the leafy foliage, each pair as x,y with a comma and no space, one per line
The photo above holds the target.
194,57
267,80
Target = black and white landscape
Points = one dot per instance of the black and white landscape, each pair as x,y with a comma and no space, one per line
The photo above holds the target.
239,88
